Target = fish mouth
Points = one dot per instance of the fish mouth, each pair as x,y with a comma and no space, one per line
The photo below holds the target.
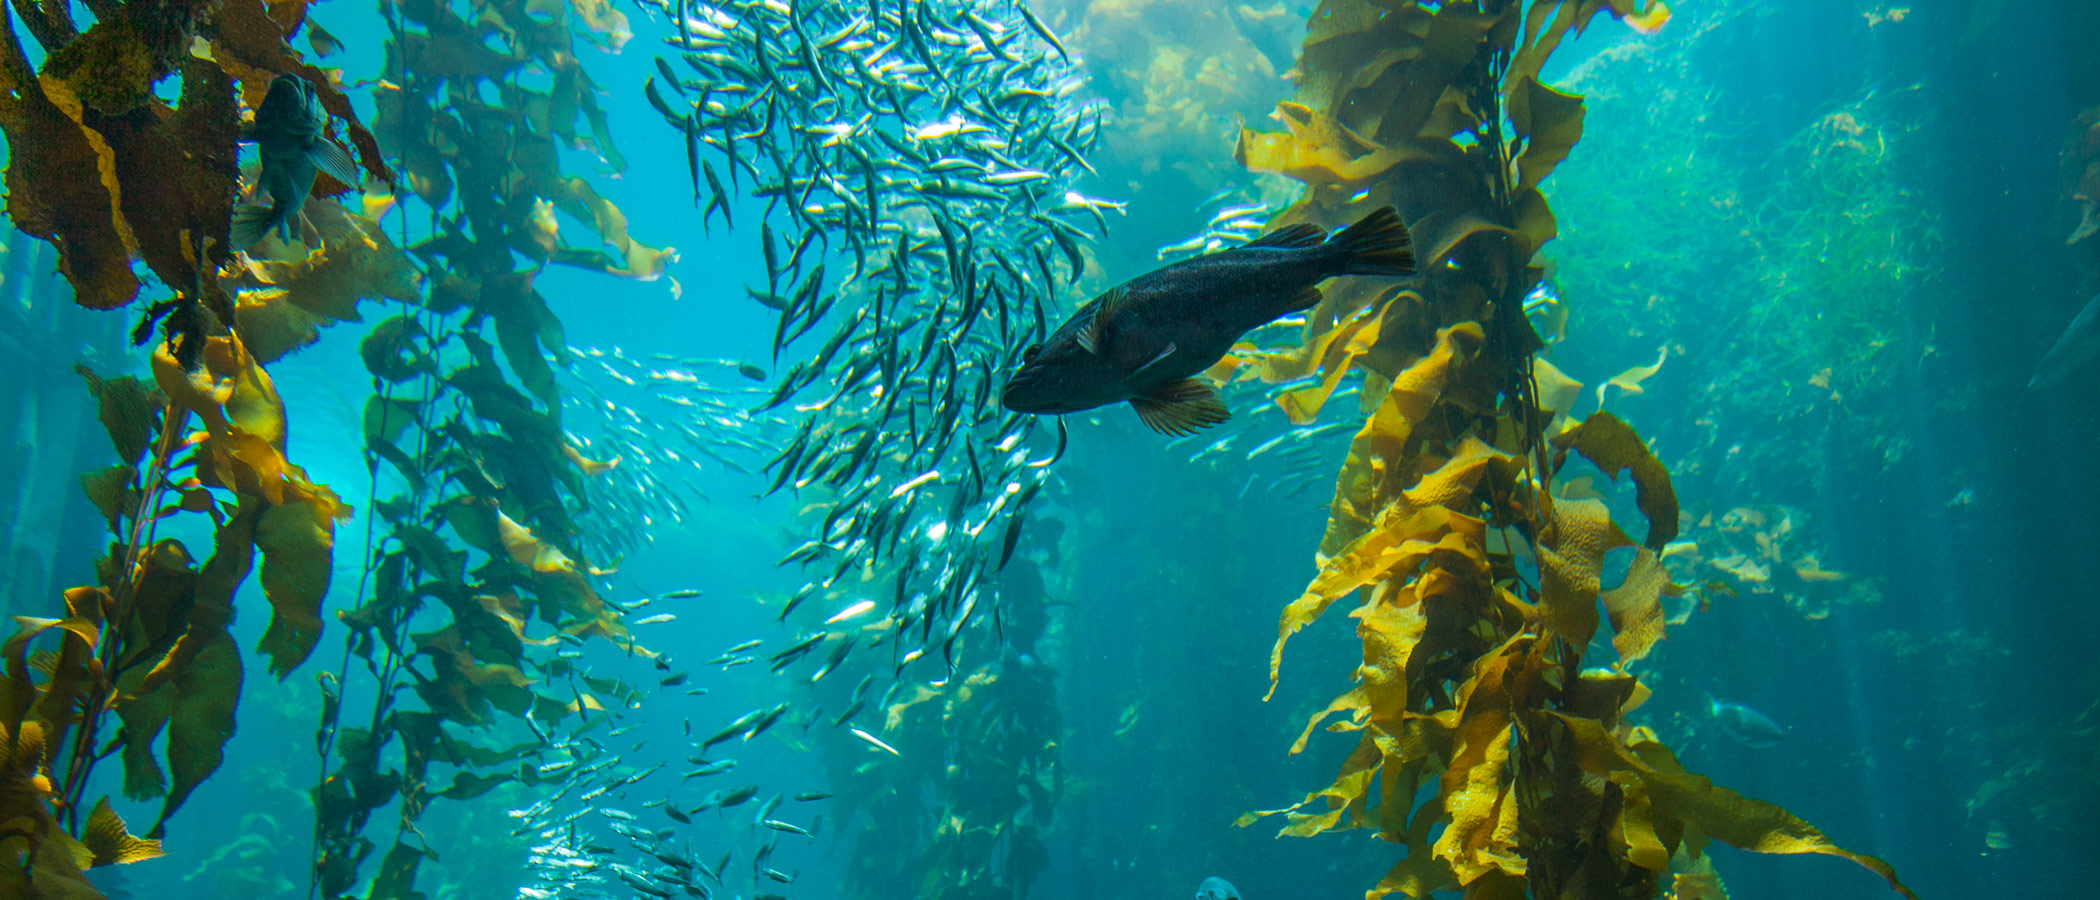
1021,401
1023,394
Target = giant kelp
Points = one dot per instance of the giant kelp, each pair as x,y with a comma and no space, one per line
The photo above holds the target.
480,545
148,645
1481,586
106,170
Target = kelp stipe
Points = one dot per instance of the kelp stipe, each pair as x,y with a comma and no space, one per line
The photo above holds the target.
1479,583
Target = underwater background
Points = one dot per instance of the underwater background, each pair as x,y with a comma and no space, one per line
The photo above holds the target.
1812,251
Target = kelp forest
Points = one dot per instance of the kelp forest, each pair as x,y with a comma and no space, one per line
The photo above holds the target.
396,514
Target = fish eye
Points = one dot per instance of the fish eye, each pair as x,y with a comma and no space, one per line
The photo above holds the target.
1029,352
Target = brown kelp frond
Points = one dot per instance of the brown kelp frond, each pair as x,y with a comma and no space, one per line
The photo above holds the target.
105,170
1477,583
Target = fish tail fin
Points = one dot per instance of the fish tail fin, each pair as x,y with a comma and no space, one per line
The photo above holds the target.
1378,244
250,223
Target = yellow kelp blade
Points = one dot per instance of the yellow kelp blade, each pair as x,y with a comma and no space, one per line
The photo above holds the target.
1316,150
111,842
1694,800
1396,540
1629,381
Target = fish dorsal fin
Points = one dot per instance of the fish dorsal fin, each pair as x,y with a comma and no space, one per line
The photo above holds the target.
1303,234
1181,407
1096,328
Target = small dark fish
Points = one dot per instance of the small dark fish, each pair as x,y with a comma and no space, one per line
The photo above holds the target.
716,767
855,707
1145,340
1013,538
671,78
807,796
739,797
720,197
772,715
1215,888
728,731
322,42
2078,345
290,137
1747,726
750,371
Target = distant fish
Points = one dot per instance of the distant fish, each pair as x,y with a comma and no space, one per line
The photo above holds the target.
290,137
1747,726
2078,345
1145,340
1215,888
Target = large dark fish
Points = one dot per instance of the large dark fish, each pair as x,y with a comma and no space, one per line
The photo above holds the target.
1145,340
1215,888
289,135
2078,345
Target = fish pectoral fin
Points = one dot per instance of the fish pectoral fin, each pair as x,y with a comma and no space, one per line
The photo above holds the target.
1181,407
330,157
1157,359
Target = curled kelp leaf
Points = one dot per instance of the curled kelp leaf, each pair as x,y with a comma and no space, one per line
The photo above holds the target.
45,861
1316,149
1337,349
243,450
1366,480
1613,446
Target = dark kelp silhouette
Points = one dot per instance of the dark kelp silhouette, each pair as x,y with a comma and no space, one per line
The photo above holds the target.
486,536
107,172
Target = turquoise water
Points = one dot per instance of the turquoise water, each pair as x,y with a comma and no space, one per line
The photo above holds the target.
1841,226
